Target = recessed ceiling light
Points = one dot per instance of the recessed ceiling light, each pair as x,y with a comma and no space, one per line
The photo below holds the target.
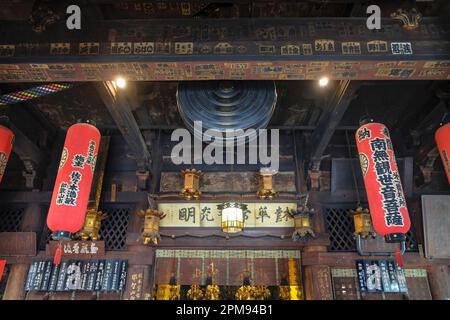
323,81
121,82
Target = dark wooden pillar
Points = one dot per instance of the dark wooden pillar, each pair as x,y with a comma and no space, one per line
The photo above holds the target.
317,281
15,287
439,279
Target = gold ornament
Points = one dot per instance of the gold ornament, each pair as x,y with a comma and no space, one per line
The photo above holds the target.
362,222
409,18
191,184
152,218
266,190
92,225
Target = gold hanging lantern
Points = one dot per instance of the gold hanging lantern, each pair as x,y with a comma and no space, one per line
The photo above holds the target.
191,182
266,190
302,222
152,217
362,222
232,216
92,224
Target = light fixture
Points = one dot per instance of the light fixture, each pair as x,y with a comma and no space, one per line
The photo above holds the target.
323,81
232,216
362,222
120,82
191,184
266,190
152,218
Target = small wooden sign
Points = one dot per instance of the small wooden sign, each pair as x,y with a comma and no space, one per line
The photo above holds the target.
78,248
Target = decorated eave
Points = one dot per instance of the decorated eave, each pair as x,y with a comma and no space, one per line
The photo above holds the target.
180,49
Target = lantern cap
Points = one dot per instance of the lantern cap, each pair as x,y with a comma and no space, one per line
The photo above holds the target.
61,235
394,237
365,120
87,121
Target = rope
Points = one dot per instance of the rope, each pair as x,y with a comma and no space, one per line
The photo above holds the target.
33,93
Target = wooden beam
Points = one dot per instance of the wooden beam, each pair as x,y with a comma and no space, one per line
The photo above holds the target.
330,119
206,49
119,107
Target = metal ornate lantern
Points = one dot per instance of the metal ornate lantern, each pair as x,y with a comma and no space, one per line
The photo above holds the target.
92,224
266,190
362,222
152,218
232,216
302,222
191,183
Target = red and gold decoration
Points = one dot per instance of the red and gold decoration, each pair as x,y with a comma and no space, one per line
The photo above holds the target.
266,190
6,143
409,18
442,137
362,223
152,217
191,186
73,183
384,189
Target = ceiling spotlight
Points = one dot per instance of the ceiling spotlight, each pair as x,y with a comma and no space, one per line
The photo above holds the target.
323,81
120,82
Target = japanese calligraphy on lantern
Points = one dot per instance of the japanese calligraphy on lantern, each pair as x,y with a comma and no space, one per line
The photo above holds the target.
208,215
382,181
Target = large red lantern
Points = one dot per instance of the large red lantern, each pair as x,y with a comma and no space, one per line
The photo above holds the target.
73,182
6,143
384,189
442,137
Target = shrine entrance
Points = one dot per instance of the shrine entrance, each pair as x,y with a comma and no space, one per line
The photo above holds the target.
228,275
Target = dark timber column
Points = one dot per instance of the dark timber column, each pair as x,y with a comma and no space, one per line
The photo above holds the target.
317,281
15,287
439,279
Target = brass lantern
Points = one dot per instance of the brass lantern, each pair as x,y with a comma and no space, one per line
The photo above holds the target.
266,190
302,223
152,218
232,216
362,222
191,184
92,224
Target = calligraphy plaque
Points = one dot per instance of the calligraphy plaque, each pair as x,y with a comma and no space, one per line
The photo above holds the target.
78,248
193,214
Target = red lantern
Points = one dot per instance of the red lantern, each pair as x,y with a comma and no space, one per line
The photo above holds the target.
6,142
73,182
442,137
384,190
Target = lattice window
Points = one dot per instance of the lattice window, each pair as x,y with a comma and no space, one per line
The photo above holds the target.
11,217
340,226
114,227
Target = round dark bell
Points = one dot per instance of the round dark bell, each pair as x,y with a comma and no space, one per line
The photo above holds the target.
226,105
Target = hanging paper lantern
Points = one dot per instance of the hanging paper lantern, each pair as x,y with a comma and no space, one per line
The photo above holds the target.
442,137
387,202
73,182
6,142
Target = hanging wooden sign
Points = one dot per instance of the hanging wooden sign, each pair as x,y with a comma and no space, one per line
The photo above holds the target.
78,248
90,275
380,276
